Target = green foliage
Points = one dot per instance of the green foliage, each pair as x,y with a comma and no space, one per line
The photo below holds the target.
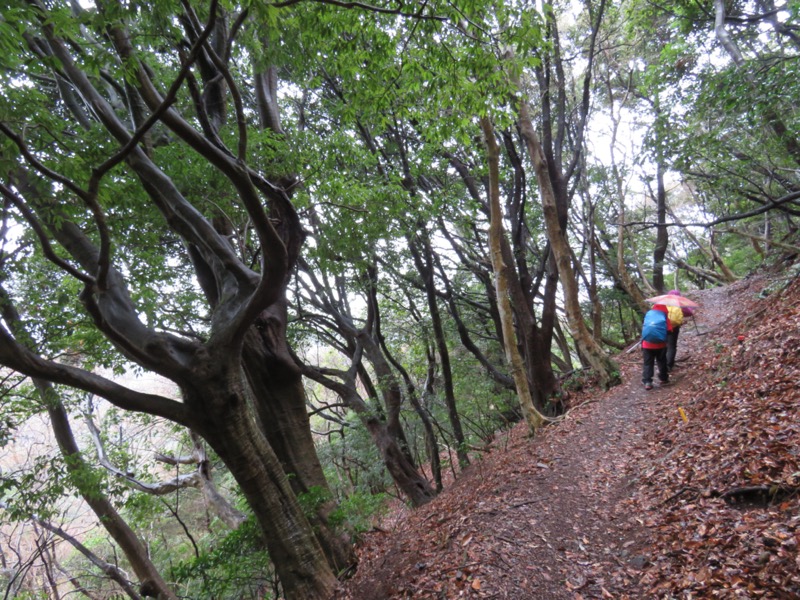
351,461
313,499
236,566
376,108
35,489
359,510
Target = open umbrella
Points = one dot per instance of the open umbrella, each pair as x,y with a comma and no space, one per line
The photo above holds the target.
670,300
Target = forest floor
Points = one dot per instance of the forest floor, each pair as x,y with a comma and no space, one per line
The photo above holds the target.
685,491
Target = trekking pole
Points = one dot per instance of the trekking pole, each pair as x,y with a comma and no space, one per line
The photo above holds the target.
632,348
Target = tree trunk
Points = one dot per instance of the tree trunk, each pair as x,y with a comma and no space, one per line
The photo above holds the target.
149,576
662,235
279,399
425,269
535,341
597,306
398,462
431,445
280,402
533,417
712,277
230,428
726,272
604,367
390,390
621,274
404,472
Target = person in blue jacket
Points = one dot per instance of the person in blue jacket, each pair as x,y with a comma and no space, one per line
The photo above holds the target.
655,353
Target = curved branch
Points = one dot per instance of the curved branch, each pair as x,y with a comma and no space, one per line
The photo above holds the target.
47,248
161,488
112,310
166,102
274,253
34,162
16,357
191,224
757,211
367,7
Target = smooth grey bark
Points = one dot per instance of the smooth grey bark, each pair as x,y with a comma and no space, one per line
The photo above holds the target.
423,259
534,337
358,342
662,233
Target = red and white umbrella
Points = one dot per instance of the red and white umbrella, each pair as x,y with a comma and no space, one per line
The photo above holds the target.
672,300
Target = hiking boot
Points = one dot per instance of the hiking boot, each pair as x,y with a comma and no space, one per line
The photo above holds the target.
663,383
648,386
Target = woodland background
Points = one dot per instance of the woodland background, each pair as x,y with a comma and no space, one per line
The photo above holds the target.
269,268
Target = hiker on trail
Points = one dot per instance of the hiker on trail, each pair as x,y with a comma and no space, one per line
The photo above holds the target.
655,330
676,316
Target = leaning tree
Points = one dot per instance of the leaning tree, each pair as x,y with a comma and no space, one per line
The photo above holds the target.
127,137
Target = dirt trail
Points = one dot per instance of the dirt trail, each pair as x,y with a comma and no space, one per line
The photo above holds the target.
548,518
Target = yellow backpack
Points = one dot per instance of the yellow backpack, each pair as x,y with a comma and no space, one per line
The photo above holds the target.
675,314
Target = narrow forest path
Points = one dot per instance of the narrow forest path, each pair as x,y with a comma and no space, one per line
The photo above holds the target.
552,517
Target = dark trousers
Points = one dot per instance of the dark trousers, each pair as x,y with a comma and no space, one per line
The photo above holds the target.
672,346
651,357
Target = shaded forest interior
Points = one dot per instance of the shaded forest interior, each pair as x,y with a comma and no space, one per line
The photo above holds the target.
689,489
275,274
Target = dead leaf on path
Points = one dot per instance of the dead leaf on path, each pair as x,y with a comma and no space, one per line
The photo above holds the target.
676,532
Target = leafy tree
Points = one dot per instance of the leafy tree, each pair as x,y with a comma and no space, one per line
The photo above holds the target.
64,200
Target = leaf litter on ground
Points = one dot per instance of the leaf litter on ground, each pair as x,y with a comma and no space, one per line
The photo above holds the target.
684,492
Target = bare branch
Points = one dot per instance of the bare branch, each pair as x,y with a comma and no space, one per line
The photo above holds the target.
367,7
738,217
14,356
111,570
44,240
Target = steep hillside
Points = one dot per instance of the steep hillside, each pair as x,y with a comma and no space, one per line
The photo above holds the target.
687,491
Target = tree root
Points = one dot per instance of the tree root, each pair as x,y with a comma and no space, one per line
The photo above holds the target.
759,495
749,495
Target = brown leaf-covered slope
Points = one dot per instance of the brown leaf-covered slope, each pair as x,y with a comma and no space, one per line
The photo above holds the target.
686,491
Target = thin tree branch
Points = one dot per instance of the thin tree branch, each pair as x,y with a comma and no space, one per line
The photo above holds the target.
365,6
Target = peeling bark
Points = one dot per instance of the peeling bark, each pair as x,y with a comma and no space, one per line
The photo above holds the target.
533,417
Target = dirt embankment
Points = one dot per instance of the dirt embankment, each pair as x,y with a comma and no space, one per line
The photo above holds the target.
624,497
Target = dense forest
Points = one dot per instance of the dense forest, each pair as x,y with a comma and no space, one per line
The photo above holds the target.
268,269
